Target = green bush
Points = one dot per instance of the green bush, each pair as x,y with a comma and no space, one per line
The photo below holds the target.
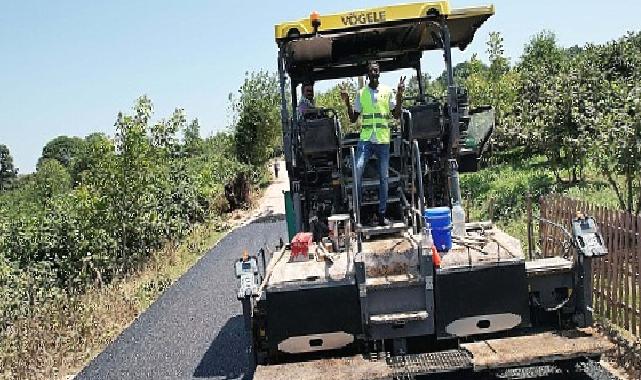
132,195
501,190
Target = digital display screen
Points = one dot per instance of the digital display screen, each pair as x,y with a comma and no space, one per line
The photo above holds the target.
586,227
247,266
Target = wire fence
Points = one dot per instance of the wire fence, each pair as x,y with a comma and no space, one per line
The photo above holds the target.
617,283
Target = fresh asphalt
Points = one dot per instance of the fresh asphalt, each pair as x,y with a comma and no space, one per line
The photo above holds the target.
195,329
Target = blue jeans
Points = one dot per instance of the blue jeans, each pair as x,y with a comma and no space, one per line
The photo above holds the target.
364,152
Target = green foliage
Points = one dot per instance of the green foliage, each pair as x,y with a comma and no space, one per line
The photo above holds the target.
500,191
256,118
66,150
434,89
332,99
613,113
97,148
51,179
574,106
7,172
133,194
192,140
461,71
496,86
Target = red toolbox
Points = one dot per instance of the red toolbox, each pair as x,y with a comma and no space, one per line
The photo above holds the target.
300,246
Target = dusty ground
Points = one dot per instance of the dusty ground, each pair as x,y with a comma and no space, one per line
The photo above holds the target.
272,201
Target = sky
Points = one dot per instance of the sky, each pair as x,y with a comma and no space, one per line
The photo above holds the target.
68,67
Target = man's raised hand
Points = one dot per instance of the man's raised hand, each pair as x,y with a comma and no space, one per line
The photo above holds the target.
344,93
401,86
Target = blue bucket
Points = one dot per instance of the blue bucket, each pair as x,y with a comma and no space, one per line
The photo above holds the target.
440,221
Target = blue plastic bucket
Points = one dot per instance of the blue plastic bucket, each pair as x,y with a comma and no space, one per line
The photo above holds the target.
440,221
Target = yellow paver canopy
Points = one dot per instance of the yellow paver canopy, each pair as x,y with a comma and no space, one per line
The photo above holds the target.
394,35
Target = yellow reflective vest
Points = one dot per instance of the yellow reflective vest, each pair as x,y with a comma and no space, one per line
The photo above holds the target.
375,116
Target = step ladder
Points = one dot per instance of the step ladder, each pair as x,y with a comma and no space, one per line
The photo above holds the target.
393,228
397,306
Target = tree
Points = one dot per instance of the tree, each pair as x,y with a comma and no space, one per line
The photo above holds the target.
64,149
52,179
192,140
256,115
96,148
542,51
499,64
7,172
432,88
613,72
495,85
331,98
541,62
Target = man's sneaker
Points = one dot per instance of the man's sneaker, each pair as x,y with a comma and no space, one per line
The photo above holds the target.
382,220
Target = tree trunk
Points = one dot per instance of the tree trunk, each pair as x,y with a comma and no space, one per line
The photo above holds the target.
630,187
615,187
638,211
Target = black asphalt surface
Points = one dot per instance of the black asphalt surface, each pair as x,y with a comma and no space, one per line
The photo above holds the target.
195,329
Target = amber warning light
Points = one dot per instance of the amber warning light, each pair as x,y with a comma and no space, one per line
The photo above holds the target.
314,17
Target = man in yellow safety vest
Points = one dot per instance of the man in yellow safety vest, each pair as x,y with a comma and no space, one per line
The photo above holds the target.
375,104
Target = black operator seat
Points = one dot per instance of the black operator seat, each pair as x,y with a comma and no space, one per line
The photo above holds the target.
319,131
426,122
475,138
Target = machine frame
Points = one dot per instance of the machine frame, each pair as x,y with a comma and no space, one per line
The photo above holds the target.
383,293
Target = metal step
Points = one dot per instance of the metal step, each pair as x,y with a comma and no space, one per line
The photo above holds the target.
429,363
394,281
368,182
359,367
375,202
380,230
379,319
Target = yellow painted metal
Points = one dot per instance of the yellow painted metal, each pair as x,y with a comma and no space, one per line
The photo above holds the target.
379,15
369,16
471,12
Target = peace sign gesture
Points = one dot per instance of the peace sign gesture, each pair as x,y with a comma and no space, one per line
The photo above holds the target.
401,85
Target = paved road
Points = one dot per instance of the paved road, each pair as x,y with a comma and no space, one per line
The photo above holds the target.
195,329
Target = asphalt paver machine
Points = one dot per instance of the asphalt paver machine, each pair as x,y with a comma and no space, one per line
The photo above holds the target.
351,300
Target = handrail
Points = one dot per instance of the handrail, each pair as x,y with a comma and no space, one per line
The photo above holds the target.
410,122
416,152
356,200
406,130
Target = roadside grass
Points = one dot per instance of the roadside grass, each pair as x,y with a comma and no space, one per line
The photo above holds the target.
61,336
499,192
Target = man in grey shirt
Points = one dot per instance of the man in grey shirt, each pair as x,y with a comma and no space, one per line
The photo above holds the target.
306,100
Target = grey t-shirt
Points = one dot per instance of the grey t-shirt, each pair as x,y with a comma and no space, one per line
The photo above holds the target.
303,105
358,107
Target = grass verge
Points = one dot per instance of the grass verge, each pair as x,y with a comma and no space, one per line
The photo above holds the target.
62,335
499,192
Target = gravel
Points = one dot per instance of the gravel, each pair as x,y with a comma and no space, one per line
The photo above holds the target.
589,370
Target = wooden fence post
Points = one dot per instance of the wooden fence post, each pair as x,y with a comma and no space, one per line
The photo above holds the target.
617,276
530,231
